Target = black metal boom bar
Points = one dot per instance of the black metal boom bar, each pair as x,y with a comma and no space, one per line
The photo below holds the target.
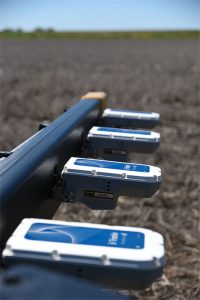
27,176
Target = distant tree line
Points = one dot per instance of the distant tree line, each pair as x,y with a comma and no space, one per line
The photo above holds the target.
51,33
19,30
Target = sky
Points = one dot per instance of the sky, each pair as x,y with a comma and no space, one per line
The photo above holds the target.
97,15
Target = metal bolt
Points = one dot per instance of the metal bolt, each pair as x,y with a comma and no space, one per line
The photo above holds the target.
94,172
156,261
55,255
105,260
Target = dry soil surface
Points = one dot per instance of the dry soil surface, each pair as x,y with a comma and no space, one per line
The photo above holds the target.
41,78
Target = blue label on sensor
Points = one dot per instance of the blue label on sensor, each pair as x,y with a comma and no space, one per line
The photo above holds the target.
106,129
85,236
111,165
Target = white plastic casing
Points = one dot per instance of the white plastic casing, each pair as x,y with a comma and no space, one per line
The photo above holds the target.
95,167
127,134
17,243
131,114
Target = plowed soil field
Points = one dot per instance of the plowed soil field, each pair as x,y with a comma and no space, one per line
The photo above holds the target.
40,78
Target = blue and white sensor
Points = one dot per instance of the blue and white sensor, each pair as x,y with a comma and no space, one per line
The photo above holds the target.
130,118
116,143
123,257
99,183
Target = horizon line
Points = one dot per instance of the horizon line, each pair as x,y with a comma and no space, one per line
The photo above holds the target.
99,30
